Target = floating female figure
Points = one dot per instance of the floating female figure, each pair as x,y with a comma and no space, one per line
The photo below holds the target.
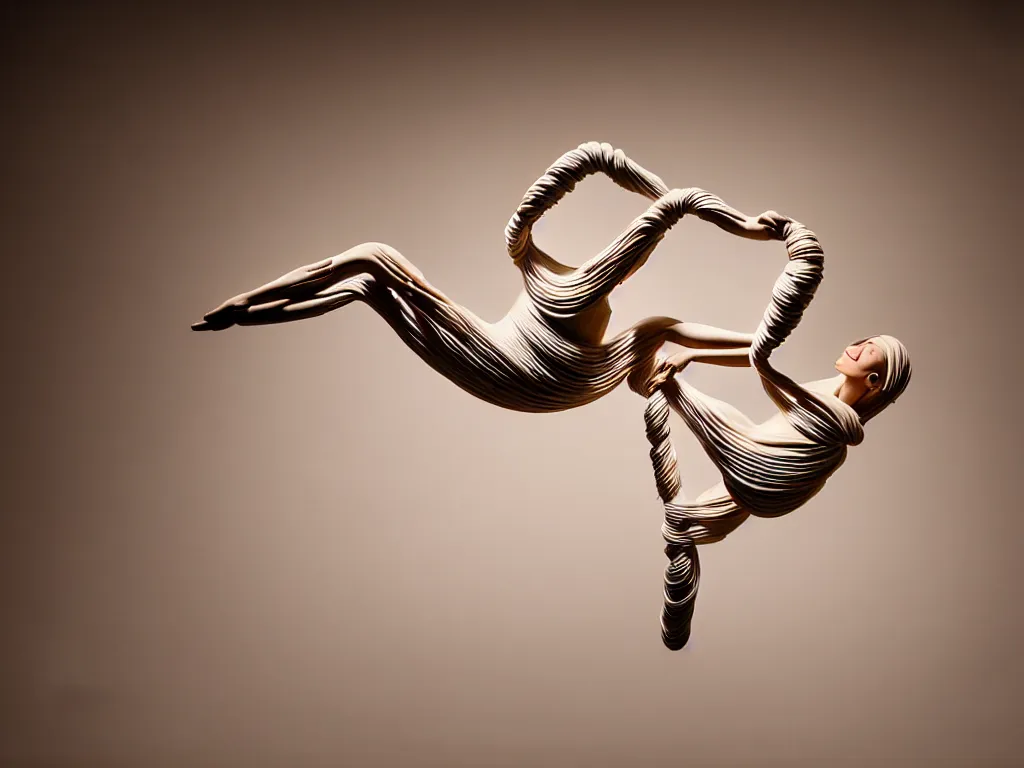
550,353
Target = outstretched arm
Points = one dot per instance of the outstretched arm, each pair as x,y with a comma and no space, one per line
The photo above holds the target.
700,336
668,367
732,358
703,344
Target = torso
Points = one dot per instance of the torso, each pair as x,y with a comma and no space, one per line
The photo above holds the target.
525,362
776,428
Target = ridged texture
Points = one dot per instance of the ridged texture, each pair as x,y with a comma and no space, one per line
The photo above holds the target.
764,474
530,361
535,359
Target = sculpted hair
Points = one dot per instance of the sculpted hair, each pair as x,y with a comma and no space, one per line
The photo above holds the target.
897,376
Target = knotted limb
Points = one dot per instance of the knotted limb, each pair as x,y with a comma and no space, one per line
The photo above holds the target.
687,524
562,293
556,291
538,359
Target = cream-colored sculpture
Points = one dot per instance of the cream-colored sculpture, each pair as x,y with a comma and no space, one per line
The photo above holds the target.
550,353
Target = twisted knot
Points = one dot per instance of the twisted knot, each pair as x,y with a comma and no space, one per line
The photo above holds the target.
561,178
663,454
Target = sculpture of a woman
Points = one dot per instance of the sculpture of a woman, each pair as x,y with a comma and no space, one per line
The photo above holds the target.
551,353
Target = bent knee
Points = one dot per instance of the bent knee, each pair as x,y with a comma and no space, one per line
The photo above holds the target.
370,250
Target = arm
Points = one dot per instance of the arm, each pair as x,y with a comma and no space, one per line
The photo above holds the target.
732,358
698,336
561,178
594,157
670,366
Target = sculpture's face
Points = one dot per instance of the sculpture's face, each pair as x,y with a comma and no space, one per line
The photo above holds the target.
863,364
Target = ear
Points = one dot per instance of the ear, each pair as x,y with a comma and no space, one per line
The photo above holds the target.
873,380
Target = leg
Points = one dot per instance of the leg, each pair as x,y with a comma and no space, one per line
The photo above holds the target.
286,310
314,289
682,579
710,518
682,576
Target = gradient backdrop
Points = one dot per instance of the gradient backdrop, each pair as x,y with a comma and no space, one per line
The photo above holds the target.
297,545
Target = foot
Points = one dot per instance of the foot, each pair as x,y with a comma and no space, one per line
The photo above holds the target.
224,316
298,284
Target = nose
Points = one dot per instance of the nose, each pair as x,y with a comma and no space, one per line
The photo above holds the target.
853,352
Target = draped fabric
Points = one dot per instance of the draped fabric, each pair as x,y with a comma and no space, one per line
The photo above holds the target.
764,473
535,359
529,362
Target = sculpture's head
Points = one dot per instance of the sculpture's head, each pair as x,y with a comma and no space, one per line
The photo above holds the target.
876,370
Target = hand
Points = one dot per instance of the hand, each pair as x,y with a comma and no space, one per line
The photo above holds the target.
668,367
774,224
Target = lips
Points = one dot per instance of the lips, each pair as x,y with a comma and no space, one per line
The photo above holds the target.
853,357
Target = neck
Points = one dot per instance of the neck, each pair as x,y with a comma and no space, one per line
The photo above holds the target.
850,392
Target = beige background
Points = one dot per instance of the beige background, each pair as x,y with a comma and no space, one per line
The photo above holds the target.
297,545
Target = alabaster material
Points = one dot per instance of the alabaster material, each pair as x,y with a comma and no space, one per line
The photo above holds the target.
550,352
